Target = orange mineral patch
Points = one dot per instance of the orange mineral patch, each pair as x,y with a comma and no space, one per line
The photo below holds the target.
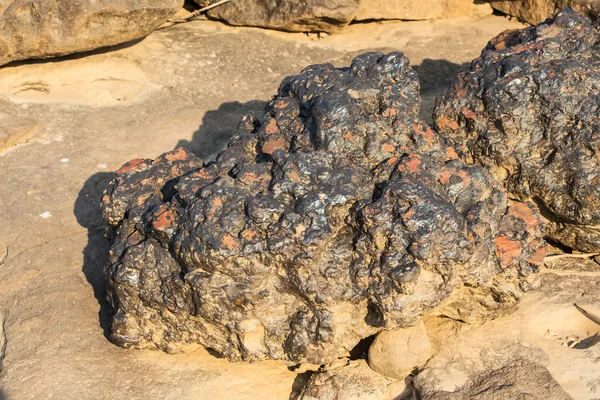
451,153
524,212
272,144
177,154
132,165
272,127
444,122
230,243
388,147
507,250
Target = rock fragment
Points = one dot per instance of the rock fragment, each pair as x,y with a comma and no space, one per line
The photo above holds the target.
334,216
288,15
518,380
527,110
395,354
354,381
15,130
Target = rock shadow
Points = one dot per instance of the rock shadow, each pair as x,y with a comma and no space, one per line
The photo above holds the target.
95,255
435,77
218,126
211,137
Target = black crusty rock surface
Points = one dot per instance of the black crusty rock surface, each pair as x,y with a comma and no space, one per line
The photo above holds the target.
528,111
335,215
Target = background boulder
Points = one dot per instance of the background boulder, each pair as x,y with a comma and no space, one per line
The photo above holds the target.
289,15
42,29
420,9
537,11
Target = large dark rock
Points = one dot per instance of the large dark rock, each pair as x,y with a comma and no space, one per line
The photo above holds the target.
288,15
337,214
42,29
528,111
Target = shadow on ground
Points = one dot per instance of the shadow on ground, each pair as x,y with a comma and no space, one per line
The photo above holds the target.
218,126
95,255
214,133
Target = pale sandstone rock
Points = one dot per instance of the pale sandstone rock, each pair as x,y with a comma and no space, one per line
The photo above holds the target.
536,11
354,381
420,9
396,354
288,15
521,380
15,130
43,29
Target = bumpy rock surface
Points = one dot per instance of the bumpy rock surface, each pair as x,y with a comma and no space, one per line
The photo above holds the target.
336,215
521,380
420,9
527,110
397,353
288,15
355,381
42,29
537,11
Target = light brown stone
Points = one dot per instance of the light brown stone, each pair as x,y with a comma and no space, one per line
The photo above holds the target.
15,130
537,11
42,29
397,353
354,381
420,9
288,15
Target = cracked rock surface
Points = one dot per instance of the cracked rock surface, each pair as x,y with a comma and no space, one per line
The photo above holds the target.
527,110
335,215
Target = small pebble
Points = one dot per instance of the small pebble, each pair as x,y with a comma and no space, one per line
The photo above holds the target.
46,214
101,166
64,160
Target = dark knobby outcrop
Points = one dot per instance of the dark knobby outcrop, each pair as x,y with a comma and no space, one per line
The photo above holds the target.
337,214
528,111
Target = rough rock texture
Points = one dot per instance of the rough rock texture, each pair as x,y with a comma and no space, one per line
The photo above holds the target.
336,215
289,15
396,354
330,16
15,130
355,381
521,380
527,110
537,11
2,336
42,29
420,9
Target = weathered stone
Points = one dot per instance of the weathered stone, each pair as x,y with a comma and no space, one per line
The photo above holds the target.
521,380
289,15
2,336
42,29
527,110
336,215
420,9
396,354
537,11
15,130
354,381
